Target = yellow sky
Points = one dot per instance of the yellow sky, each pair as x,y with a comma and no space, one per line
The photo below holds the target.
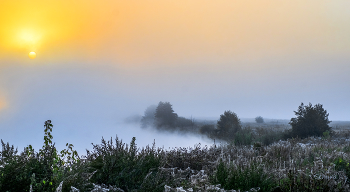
135,32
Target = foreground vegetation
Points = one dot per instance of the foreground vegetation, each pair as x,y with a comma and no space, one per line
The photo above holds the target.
311,156
310,164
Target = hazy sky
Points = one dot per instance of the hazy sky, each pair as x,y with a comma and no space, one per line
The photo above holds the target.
101,61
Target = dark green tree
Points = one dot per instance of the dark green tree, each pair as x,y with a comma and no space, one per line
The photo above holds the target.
310,121
259,119
165,116
228,125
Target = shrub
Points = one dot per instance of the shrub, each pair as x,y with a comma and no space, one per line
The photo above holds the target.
243,137
42,170
122,165
267,135
310,121
259,119
13,175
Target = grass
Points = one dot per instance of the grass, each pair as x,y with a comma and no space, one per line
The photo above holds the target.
311,164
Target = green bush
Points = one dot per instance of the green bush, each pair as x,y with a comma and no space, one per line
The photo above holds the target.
13,173
122,165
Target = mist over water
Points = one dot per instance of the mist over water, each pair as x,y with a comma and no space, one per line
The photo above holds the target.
144,137
82,133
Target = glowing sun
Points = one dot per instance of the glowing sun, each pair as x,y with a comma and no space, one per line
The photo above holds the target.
32,55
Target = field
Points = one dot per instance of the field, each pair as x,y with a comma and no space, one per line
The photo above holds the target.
266,164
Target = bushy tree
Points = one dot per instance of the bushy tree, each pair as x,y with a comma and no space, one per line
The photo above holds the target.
259,119
310,121
148,118
165,116
228,125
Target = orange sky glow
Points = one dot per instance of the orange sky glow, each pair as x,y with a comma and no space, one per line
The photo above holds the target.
133,33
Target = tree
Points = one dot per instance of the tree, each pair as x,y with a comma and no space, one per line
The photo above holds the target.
165,116
259,119
310,121
228,124
148,118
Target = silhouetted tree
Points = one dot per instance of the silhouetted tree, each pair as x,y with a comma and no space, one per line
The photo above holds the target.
165,116
148,118
228,125
310,121
259,119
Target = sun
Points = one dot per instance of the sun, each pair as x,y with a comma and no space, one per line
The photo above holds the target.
32,55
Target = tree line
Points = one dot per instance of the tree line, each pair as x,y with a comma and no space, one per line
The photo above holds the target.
309,121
